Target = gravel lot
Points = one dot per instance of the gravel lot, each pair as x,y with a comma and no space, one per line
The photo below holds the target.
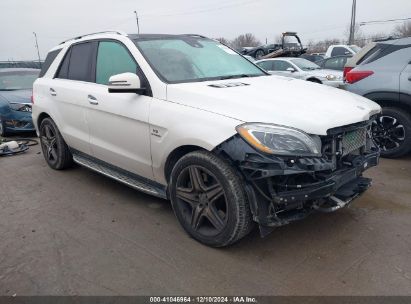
78,233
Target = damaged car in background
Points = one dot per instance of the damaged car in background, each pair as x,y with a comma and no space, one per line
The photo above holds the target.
15,100
185,118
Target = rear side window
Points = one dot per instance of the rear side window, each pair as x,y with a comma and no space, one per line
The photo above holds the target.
78,63
378,51
113,58
337,51
49,60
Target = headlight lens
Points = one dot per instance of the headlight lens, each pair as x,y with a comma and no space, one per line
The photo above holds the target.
331,77
281,140
20,107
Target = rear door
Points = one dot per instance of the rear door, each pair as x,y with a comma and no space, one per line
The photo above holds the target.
69,90
405,80
119,128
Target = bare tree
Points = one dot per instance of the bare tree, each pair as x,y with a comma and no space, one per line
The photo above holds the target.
403,30
245,40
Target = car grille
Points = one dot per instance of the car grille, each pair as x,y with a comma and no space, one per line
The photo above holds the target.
354,140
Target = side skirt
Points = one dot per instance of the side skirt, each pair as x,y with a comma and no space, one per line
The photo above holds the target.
130,179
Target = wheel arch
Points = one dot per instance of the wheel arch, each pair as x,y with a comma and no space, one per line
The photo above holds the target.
41,117
175,155
390,99
314,79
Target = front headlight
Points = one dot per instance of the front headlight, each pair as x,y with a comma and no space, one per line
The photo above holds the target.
281,140
22,107
331,77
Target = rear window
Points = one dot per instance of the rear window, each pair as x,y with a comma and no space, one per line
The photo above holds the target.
380,50
49,60
77,63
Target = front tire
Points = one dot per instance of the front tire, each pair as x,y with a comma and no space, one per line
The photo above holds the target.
209,200
55,150
392,132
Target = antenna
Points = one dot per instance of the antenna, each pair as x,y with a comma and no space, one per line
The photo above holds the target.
37,47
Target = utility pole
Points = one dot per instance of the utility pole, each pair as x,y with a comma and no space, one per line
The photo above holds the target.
138,26
37,47
352,25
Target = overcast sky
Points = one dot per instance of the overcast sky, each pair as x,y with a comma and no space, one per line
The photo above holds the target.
56,20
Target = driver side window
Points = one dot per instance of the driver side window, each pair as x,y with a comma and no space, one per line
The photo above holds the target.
113,58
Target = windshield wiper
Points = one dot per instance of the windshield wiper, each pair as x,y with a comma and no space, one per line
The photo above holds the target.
234,76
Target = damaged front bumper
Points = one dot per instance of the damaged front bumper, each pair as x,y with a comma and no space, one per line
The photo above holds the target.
283,189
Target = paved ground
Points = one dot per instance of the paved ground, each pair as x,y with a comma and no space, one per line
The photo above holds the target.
76,232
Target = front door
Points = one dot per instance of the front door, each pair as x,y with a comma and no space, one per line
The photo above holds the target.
118,122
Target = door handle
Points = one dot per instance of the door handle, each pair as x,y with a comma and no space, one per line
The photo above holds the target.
92,100
53,92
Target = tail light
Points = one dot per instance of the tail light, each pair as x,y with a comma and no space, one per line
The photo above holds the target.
346,70
354,76
32,97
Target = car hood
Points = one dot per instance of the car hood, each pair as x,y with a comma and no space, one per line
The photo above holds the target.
17,96
307,106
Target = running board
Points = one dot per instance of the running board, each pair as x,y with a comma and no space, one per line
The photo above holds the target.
120,175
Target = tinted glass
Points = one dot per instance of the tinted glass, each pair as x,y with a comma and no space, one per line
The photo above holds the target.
18,80
113,58
49,60
80,62
190,59
337,51
63,69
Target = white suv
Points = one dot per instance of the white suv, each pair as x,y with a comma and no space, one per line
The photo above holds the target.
185,118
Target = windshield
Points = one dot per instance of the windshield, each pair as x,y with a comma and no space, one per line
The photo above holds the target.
355,48
17,80
192,59
305,64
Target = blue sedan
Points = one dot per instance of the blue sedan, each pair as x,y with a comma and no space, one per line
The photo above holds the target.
15,100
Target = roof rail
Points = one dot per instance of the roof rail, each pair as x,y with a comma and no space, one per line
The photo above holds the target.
103,32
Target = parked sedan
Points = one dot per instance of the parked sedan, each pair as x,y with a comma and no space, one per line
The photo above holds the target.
302,69
15,100
334,63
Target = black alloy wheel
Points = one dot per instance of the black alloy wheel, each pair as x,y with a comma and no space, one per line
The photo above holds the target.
392,132
49,144
202,198
55,150
209,200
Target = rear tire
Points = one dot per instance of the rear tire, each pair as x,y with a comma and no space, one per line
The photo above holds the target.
392,132
209,200
55,150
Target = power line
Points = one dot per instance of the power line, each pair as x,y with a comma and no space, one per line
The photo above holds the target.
201,10
384,21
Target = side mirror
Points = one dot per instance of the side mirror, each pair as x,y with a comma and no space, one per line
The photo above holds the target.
292,70
347,53
125,83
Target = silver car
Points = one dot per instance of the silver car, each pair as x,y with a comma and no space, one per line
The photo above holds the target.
301,68
383,74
